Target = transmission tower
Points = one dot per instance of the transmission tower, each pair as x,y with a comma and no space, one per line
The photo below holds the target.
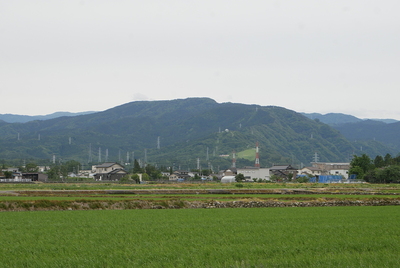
257,163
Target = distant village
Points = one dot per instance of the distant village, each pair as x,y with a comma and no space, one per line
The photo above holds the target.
112,171
321,172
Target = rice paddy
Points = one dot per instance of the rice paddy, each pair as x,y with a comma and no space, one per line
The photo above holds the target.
262,237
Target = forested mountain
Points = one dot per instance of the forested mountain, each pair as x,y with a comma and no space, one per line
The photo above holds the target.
369,130
177,132
335,119
15,118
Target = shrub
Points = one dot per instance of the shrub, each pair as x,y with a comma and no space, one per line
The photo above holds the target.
43,204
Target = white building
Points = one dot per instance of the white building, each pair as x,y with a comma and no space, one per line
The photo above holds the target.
333,168
251,173
228,179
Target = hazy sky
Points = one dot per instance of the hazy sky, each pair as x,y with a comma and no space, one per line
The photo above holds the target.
308,56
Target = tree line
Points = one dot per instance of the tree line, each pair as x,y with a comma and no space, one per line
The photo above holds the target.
382,169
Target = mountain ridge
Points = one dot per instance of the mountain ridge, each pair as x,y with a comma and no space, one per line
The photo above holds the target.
15,118
334,119
180,131
328,118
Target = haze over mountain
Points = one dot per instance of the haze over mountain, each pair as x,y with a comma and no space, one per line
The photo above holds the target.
177,132
367,130
356,129
15,118
333,119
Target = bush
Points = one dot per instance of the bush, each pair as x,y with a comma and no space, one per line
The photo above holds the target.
135,178
125,179
303,179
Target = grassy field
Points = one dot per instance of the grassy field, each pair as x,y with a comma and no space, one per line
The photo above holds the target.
246,154
207,185
262,237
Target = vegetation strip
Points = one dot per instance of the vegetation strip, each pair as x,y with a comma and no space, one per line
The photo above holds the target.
210,191
43,204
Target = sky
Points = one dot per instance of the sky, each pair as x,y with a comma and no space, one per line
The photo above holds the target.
339,56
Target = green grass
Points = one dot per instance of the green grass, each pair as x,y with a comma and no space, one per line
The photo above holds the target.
248,154
394,188
263,237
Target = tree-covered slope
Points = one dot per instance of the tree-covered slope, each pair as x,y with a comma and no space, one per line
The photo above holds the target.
371,130
180,131
285,137
333,118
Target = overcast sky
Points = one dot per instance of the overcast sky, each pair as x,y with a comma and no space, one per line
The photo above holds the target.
308,56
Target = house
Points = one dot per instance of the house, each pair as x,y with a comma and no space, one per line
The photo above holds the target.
35,176
86,173
228,172
341,169
179,175
43,168
283,171
165,174
110,171
311,171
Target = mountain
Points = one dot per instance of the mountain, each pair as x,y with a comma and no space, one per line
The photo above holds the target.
371,130
14,118
177,132
334,119
354,129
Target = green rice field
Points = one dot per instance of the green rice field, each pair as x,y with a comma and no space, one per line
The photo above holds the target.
203,185
235,237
